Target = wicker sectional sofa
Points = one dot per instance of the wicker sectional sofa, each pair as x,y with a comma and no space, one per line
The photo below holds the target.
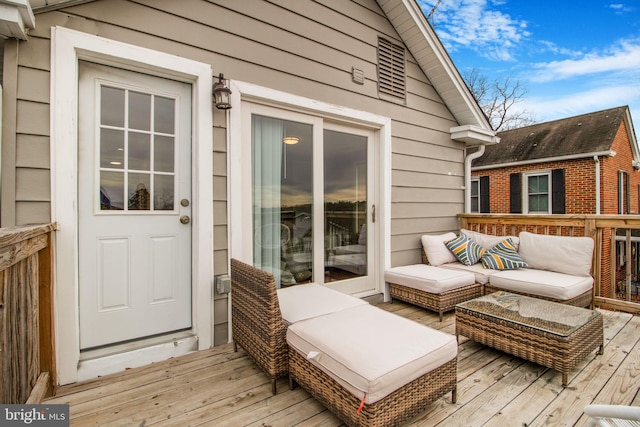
558,268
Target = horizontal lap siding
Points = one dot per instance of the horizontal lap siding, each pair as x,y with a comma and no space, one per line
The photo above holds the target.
305,48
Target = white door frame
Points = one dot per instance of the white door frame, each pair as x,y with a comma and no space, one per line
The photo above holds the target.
240,215
67,48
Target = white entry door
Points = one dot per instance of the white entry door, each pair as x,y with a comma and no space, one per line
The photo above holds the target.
134,205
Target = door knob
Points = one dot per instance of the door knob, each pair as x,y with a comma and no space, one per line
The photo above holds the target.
185,219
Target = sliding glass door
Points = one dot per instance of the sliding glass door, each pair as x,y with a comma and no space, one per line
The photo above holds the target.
312,197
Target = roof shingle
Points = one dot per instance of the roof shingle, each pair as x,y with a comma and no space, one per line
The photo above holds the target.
584,134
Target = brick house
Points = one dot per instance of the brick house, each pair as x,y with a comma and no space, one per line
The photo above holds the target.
587,164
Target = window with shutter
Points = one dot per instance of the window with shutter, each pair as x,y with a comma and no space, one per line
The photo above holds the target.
391,69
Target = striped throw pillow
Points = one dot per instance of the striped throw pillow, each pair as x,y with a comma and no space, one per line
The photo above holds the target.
465,249
503,256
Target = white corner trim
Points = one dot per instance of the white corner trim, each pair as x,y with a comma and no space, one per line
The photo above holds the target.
67,48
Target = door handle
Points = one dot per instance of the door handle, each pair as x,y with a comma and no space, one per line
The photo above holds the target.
373,213
185,219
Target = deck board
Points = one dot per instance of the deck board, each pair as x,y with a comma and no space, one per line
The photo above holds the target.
223,387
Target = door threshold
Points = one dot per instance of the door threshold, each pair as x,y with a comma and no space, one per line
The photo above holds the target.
117,358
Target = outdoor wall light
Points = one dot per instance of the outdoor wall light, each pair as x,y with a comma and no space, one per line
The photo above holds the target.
291,140
221,94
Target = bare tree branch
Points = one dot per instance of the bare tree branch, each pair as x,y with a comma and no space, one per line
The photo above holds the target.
499,100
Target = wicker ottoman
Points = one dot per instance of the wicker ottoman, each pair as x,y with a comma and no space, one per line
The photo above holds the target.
371,367
434,288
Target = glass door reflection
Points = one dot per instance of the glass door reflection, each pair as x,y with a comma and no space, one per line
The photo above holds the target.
345,205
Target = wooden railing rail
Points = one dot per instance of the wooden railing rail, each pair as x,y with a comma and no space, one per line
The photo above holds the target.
602,228
27,356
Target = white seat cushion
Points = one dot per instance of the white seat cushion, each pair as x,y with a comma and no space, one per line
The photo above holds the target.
434,280
481,274
544,283
369,351
311,300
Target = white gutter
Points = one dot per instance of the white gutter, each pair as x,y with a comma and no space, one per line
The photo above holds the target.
467,176
597,162
608,153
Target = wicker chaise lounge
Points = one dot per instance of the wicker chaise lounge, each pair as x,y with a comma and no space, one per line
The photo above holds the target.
398,373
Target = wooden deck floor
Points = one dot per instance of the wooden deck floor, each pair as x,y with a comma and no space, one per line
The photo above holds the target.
221,388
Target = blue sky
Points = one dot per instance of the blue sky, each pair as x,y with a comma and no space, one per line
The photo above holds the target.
574,56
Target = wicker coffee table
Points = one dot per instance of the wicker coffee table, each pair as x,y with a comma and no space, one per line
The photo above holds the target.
554,335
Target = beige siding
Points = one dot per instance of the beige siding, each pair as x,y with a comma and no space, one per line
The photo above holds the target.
32,151
306,48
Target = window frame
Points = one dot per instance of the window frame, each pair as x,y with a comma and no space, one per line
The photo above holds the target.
526,195
475,195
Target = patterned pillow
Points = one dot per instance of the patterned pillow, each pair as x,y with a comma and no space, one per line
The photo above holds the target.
503,256
465,249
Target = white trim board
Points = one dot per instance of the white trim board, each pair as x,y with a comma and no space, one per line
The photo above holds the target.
67,48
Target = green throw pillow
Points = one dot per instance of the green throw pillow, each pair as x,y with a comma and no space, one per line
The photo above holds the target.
503,256
466,250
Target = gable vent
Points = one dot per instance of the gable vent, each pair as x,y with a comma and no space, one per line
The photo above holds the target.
391,69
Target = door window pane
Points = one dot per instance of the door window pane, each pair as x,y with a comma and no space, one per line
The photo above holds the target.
139,197
112,106
137,150
164,115
139,111
111,190
164,153
345,205
111,149
163,192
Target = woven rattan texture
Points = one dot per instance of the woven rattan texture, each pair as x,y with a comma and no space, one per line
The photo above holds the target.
257,323
436,302
401,405
544,348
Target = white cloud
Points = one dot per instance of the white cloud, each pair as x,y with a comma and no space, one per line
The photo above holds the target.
624,56
557,107
620,8
474,25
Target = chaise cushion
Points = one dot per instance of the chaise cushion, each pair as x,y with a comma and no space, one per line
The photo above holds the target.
544,283
562,254
311,300
369,351
428,278
435,249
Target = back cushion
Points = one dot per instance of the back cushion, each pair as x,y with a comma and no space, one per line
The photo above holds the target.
488,241
562,254
435,249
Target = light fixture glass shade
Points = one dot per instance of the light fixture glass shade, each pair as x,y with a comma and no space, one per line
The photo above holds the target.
221,97
221,94
291,140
